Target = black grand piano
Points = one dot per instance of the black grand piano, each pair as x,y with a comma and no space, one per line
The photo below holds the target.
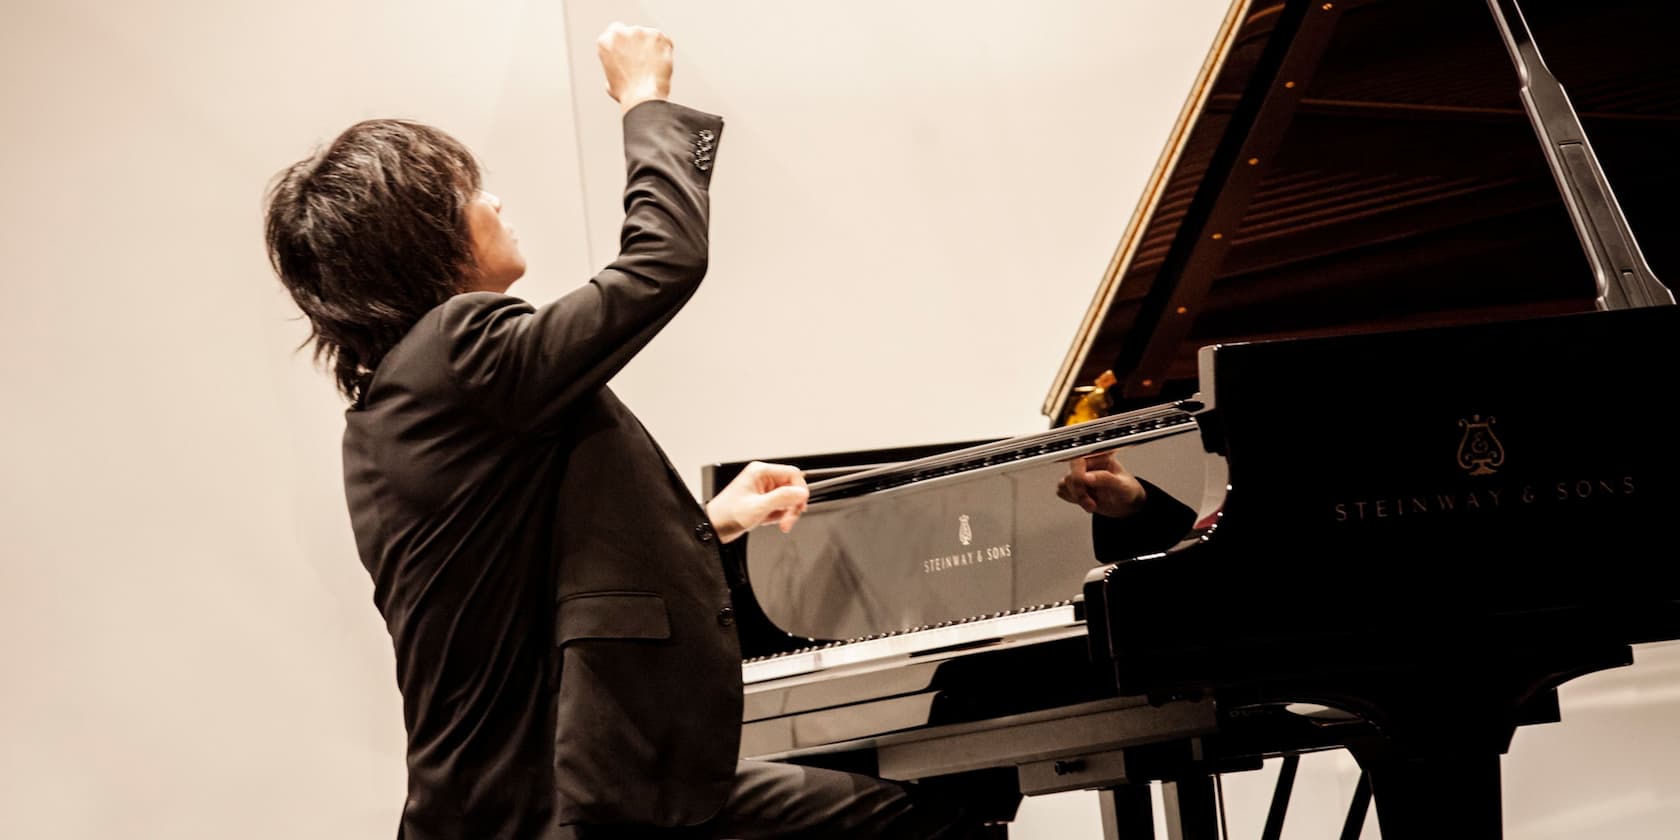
1383,347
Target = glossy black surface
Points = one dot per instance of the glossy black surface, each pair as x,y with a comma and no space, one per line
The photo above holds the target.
985,534
1447,494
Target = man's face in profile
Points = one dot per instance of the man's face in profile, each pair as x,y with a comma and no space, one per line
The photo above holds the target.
495,246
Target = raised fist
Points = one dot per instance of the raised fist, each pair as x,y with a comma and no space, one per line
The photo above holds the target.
637,61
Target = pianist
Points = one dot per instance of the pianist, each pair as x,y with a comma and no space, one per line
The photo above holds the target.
556,599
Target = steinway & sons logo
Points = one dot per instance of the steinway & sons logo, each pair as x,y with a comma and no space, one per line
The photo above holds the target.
1480,453
973,557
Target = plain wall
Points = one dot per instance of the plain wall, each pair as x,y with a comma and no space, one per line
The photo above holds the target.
913,204
188,642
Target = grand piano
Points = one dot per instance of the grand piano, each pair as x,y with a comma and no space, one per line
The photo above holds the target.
1383,346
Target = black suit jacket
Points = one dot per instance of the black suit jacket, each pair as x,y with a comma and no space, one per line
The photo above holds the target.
553,591
1157,526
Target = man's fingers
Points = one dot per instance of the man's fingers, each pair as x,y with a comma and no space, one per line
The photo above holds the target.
1080,491
1076,486
637,63
790,516
784,498
1119,493
785,518
1075,489
767,476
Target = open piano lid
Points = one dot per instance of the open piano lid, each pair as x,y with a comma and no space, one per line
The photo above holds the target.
1367,165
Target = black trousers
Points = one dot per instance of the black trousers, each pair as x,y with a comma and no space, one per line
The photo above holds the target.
790,802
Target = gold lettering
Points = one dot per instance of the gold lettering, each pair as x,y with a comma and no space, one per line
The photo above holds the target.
974,557
1360,510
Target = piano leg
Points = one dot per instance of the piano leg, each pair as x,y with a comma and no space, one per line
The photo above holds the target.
1442,728
1438,796
1127,813
1354,825
1190,808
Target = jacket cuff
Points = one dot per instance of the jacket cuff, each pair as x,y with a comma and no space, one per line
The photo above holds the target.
671,126
1157,526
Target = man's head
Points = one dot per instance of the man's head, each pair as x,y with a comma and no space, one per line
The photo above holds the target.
380,226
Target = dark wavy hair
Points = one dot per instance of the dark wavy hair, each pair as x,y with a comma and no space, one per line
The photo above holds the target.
370,233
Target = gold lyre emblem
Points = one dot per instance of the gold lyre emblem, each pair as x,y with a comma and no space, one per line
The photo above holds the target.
1480,451
964,533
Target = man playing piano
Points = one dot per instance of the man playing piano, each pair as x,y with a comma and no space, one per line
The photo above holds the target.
556,597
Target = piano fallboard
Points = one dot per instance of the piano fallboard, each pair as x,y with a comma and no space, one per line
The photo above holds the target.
948,538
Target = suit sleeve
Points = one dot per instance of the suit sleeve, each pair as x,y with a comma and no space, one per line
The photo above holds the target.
1158,526
526,365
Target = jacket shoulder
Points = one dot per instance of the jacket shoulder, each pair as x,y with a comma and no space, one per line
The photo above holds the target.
471,313
461,325
431,348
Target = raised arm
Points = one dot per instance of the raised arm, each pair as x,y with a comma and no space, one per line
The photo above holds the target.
525,365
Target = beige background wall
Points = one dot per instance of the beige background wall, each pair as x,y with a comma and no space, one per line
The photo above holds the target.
912,205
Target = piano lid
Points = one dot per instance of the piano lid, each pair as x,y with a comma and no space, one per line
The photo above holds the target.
1366,165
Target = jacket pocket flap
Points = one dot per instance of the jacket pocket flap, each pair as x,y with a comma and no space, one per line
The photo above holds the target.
611,615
